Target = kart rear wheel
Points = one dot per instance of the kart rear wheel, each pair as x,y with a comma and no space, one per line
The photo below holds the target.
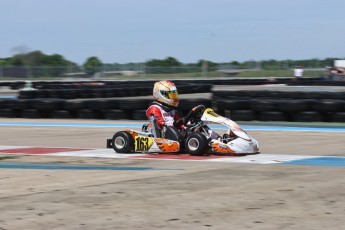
123,142
196,144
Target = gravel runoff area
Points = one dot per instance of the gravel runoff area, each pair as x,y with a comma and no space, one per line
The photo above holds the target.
176,194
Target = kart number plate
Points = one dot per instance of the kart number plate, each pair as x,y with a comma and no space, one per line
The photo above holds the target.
143,143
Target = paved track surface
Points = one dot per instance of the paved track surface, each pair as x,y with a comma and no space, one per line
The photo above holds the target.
174,194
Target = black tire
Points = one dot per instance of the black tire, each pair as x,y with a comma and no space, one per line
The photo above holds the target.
133,104
233,104
72,105
188,104
42,94
272,116
4,104
338,117
68,94
123,142
104,104
31,113
115,114
328,106
48,104
196,144
86,114
243,115
308,116
54,93
139,115
22,104
7,113
29,94
294,106
61,114
263,105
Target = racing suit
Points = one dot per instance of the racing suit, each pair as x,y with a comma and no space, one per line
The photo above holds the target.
165,115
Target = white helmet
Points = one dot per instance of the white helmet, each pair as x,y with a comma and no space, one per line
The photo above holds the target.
166,93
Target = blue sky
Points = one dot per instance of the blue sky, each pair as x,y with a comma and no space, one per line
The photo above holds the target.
122,31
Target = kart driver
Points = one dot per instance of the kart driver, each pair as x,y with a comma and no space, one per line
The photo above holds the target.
164,108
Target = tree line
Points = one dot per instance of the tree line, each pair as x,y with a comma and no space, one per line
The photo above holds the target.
56,64
40,64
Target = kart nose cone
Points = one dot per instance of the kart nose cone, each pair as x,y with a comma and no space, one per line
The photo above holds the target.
241,146
255,145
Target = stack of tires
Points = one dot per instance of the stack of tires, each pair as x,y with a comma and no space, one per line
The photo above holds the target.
108,100
101,108
281,106
131,89
89,100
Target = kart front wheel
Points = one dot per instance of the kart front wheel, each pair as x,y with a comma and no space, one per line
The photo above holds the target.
123,142
196,144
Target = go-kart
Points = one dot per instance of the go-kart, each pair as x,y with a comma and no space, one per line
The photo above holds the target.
196,138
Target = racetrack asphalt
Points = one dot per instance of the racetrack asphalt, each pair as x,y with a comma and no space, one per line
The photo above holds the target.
185,195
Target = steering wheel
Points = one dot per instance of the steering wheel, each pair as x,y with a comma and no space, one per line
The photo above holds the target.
195,114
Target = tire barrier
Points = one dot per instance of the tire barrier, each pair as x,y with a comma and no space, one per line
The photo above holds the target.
243,115
270,94
61,114
139,115
328,106
85,114
295,105
188,104
109,89
317,82
78,101
133,104
282,105
31,113
8,113
102,108
338,117
263,105
308,116
272,116
302,110
122,89
115,114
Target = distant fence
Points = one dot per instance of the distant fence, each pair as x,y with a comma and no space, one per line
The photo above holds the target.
142,71
103,71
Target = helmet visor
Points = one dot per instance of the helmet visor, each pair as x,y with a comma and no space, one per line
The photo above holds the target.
172,94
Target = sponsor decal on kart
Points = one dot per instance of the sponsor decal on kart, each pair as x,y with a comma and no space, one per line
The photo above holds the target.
167,145
211,112
221,148
132,132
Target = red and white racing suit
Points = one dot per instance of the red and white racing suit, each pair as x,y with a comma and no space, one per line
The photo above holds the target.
167,115
163,114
